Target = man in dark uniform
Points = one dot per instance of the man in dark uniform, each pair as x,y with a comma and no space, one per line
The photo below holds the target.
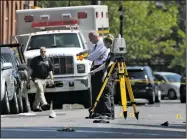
41,67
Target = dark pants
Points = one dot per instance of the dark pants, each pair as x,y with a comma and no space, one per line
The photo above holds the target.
105,105
107,101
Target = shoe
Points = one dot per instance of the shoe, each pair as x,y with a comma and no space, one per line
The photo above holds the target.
37,110
45,107
105,117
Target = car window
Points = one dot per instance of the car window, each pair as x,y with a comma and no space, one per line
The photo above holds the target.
159,78
7,57
59,40
173,78
150,73
136,74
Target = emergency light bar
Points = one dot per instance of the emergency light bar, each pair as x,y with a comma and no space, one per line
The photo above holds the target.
54,23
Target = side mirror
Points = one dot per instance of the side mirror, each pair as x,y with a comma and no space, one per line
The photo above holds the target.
6,65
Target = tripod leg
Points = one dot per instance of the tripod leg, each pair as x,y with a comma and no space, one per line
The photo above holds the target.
131,95
101,91
122,89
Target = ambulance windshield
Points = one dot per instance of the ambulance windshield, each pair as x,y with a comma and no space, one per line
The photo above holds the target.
58,40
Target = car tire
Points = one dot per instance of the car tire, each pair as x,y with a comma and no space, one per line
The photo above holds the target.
87,98
151,97
6,102
172,94
14,104
183,100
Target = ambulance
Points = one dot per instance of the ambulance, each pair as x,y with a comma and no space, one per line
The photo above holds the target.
64,32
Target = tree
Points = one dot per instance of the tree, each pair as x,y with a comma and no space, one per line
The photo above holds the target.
149,30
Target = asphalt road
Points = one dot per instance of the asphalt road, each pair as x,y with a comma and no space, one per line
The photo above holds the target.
148,126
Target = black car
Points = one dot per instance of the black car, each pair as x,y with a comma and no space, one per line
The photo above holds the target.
183,90
142,83
9,55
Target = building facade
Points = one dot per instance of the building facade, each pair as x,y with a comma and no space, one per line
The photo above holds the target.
8,17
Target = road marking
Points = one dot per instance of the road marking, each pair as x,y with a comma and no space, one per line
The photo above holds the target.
131,114
178,116
80,131
27,114
40,129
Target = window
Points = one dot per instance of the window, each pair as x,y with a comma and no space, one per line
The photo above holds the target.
136,74
159,78
173,78
8,58
60,40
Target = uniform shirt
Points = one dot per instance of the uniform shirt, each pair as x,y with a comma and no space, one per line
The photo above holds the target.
98,54
41,67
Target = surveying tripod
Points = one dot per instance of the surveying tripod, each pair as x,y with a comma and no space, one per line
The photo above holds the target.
124,81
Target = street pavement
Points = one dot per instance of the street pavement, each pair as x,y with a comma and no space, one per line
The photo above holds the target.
39,125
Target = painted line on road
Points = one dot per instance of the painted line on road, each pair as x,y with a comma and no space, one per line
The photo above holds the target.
81,131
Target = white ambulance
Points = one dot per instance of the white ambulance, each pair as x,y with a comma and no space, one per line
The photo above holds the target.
64,32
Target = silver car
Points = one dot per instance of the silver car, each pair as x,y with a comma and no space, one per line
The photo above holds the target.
9,103
169,84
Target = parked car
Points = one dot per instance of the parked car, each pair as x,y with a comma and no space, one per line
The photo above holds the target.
169,83
183,90
9,56
142,83
9,103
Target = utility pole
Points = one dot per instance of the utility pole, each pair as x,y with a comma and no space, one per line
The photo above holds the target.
35,2
95,2
121,12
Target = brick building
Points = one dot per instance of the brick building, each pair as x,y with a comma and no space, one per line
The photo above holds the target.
8,17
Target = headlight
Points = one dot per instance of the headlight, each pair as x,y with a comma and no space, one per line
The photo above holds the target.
81,68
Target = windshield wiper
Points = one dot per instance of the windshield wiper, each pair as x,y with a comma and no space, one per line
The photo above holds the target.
54,46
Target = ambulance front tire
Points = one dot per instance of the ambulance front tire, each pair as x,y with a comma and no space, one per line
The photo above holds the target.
87,98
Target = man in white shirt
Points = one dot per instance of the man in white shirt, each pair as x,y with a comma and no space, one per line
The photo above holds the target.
107,98
98,54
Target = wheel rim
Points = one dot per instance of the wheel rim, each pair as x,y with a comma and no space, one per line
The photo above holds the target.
171,94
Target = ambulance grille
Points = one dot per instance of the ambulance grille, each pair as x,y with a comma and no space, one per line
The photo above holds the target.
62,65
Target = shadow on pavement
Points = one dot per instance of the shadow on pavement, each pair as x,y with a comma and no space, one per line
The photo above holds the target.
87,132
176,126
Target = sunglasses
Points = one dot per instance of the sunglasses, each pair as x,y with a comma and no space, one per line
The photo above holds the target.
43,51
